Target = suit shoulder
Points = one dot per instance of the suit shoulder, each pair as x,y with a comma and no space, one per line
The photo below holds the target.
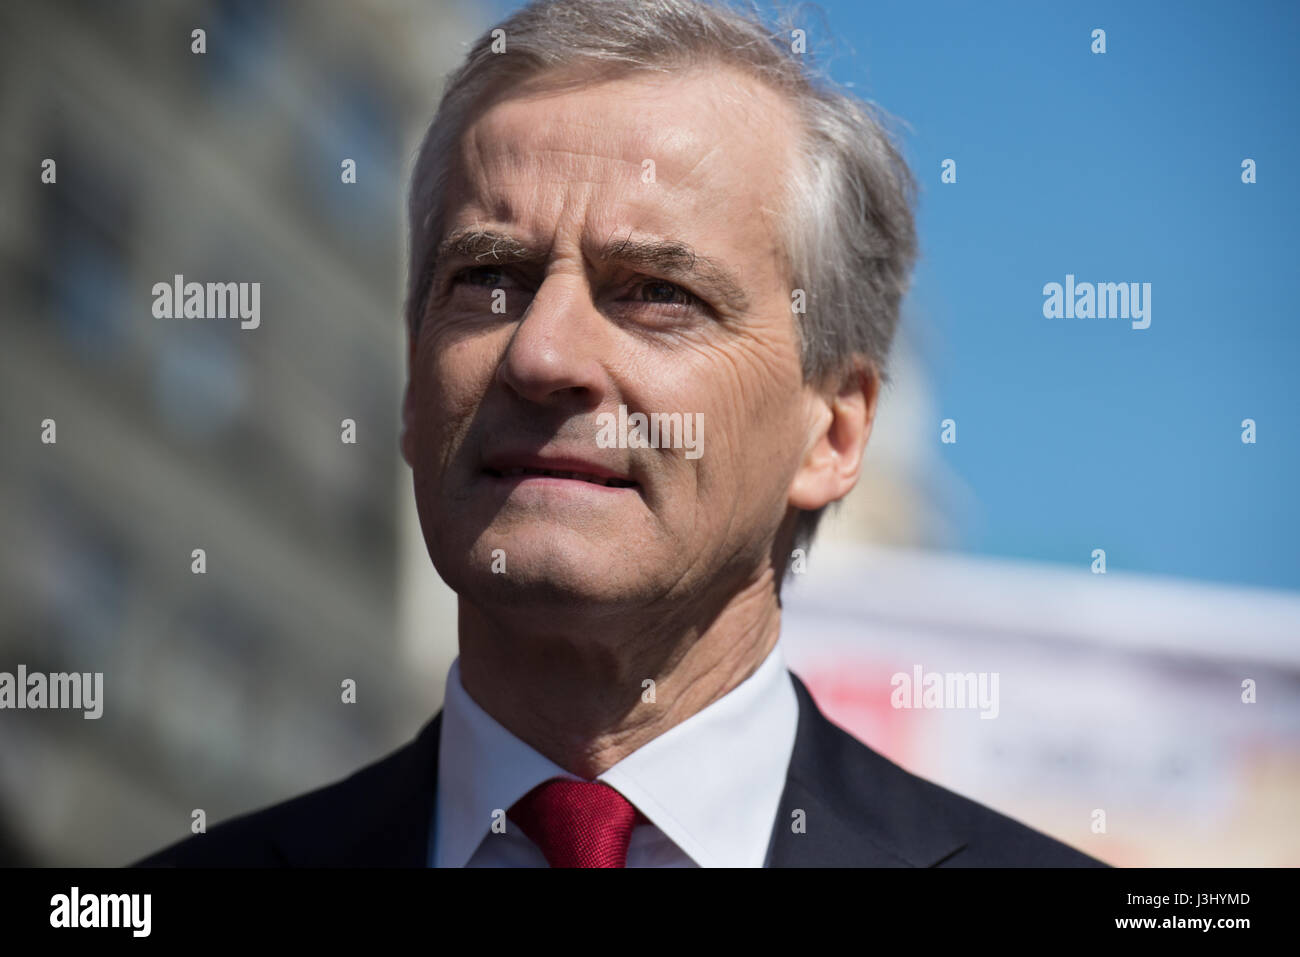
341,823
998,840
921,814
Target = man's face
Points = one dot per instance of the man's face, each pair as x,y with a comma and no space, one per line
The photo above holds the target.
570,185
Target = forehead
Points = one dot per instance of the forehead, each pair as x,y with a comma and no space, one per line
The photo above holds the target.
698,155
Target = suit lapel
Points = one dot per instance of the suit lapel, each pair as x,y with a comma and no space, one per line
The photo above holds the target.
844,805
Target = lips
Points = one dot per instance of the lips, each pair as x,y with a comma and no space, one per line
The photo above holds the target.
514,467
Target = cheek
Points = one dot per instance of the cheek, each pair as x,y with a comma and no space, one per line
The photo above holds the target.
753,442
747,390
448,382
464,365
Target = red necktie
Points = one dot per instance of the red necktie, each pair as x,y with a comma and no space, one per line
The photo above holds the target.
577,823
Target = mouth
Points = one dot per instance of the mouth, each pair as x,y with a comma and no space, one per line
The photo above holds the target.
522,473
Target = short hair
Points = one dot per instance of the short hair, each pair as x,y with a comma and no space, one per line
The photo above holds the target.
846,209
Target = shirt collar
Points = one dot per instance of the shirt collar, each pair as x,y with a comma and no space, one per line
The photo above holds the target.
712,784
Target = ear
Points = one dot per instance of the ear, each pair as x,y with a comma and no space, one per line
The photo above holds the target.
839,424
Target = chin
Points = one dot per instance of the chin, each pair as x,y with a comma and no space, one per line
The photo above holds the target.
545,570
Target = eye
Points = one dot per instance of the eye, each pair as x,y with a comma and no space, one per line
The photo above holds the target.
661,292
483,276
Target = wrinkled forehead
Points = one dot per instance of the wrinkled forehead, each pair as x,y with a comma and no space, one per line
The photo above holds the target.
702,151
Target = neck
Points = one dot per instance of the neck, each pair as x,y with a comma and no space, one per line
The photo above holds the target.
579,694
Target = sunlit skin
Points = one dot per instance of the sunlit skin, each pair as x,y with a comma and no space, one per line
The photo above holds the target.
674,579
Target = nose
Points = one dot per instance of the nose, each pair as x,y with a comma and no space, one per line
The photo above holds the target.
554,356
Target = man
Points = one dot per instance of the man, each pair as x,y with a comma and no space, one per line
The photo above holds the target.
627,221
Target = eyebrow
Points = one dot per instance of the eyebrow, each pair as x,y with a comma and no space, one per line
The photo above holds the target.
670,259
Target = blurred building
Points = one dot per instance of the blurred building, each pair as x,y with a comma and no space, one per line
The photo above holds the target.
223,689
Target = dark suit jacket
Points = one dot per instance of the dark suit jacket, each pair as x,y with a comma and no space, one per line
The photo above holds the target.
860,810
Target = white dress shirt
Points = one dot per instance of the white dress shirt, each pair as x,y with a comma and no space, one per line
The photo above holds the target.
710,786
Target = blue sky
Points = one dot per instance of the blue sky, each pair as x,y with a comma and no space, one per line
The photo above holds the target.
1125,166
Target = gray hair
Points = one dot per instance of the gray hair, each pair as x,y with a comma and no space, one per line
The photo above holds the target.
849,235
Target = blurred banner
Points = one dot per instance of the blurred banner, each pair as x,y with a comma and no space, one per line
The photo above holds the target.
1147,721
